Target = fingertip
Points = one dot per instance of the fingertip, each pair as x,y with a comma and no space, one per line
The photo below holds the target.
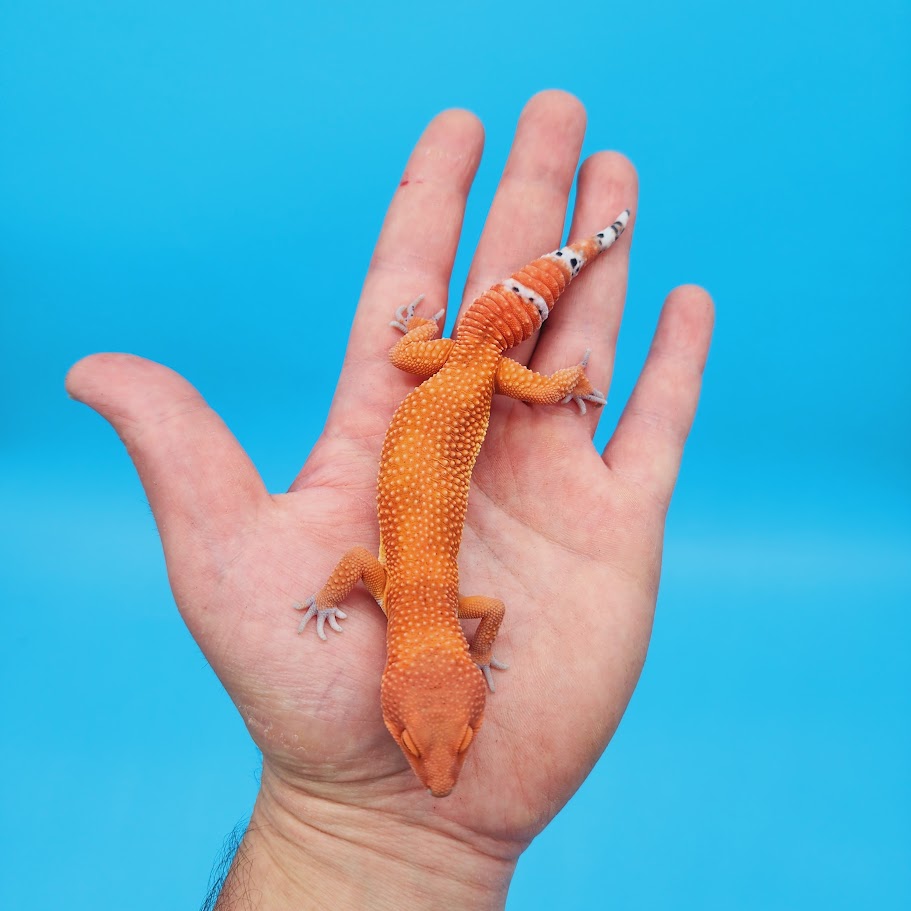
558,103
687,320
695,301
451,145
101,380
559,120
81,378
460,120
613,165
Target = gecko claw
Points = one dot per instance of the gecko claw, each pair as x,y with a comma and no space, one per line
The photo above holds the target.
485,670
404,313
322,616
595,397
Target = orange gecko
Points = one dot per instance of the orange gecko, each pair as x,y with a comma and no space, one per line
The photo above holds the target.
433,687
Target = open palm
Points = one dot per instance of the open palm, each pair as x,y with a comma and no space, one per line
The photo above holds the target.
569,539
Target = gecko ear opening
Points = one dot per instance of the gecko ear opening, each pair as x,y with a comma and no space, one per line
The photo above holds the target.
466,739
410,745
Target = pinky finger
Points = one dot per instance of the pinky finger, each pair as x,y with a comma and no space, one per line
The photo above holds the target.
648,443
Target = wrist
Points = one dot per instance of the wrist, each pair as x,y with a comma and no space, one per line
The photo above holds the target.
306,850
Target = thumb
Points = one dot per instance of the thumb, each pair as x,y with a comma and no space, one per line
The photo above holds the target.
201,485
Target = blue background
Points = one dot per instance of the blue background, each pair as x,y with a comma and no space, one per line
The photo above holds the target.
163,170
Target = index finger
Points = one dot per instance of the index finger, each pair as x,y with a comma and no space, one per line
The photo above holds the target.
414,255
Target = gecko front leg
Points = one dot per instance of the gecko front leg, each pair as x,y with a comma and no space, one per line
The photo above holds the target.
419,351
357,565
490,612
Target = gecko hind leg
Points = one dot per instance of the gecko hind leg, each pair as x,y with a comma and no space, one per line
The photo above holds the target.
567,385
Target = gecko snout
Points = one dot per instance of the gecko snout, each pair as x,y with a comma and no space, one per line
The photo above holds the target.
434,717
438,759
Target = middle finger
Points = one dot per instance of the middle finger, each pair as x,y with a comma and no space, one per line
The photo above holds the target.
529,209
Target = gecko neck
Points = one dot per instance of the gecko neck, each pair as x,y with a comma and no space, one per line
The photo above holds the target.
423,617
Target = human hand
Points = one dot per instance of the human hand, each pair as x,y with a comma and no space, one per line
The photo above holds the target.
568,539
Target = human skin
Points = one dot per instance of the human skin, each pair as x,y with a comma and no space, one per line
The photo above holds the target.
569,538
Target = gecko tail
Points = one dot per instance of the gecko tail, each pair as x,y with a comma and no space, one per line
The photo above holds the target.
609,235
576,255
514,309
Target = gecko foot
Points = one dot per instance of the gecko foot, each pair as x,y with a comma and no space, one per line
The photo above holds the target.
330,614
485,670
404,314
594,396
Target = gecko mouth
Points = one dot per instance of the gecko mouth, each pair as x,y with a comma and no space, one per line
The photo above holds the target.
441,783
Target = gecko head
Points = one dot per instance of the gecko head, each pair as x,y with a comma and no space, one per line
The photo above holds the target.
433,705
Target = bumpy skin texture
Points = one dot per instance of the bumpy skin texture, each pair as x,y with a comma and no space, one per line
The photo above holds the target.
433,693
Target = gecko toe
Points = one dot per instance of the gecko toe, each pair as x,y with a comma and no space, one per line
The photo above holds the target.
595,397
488,676
330,614
334,623
485,670
310,606
404,313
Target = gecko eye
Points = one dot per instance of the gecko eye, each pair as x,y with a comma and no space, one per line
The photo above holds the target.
410,744
466,739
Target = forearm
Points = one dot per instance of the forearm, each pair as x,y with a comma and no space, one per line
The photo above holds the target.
302,851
